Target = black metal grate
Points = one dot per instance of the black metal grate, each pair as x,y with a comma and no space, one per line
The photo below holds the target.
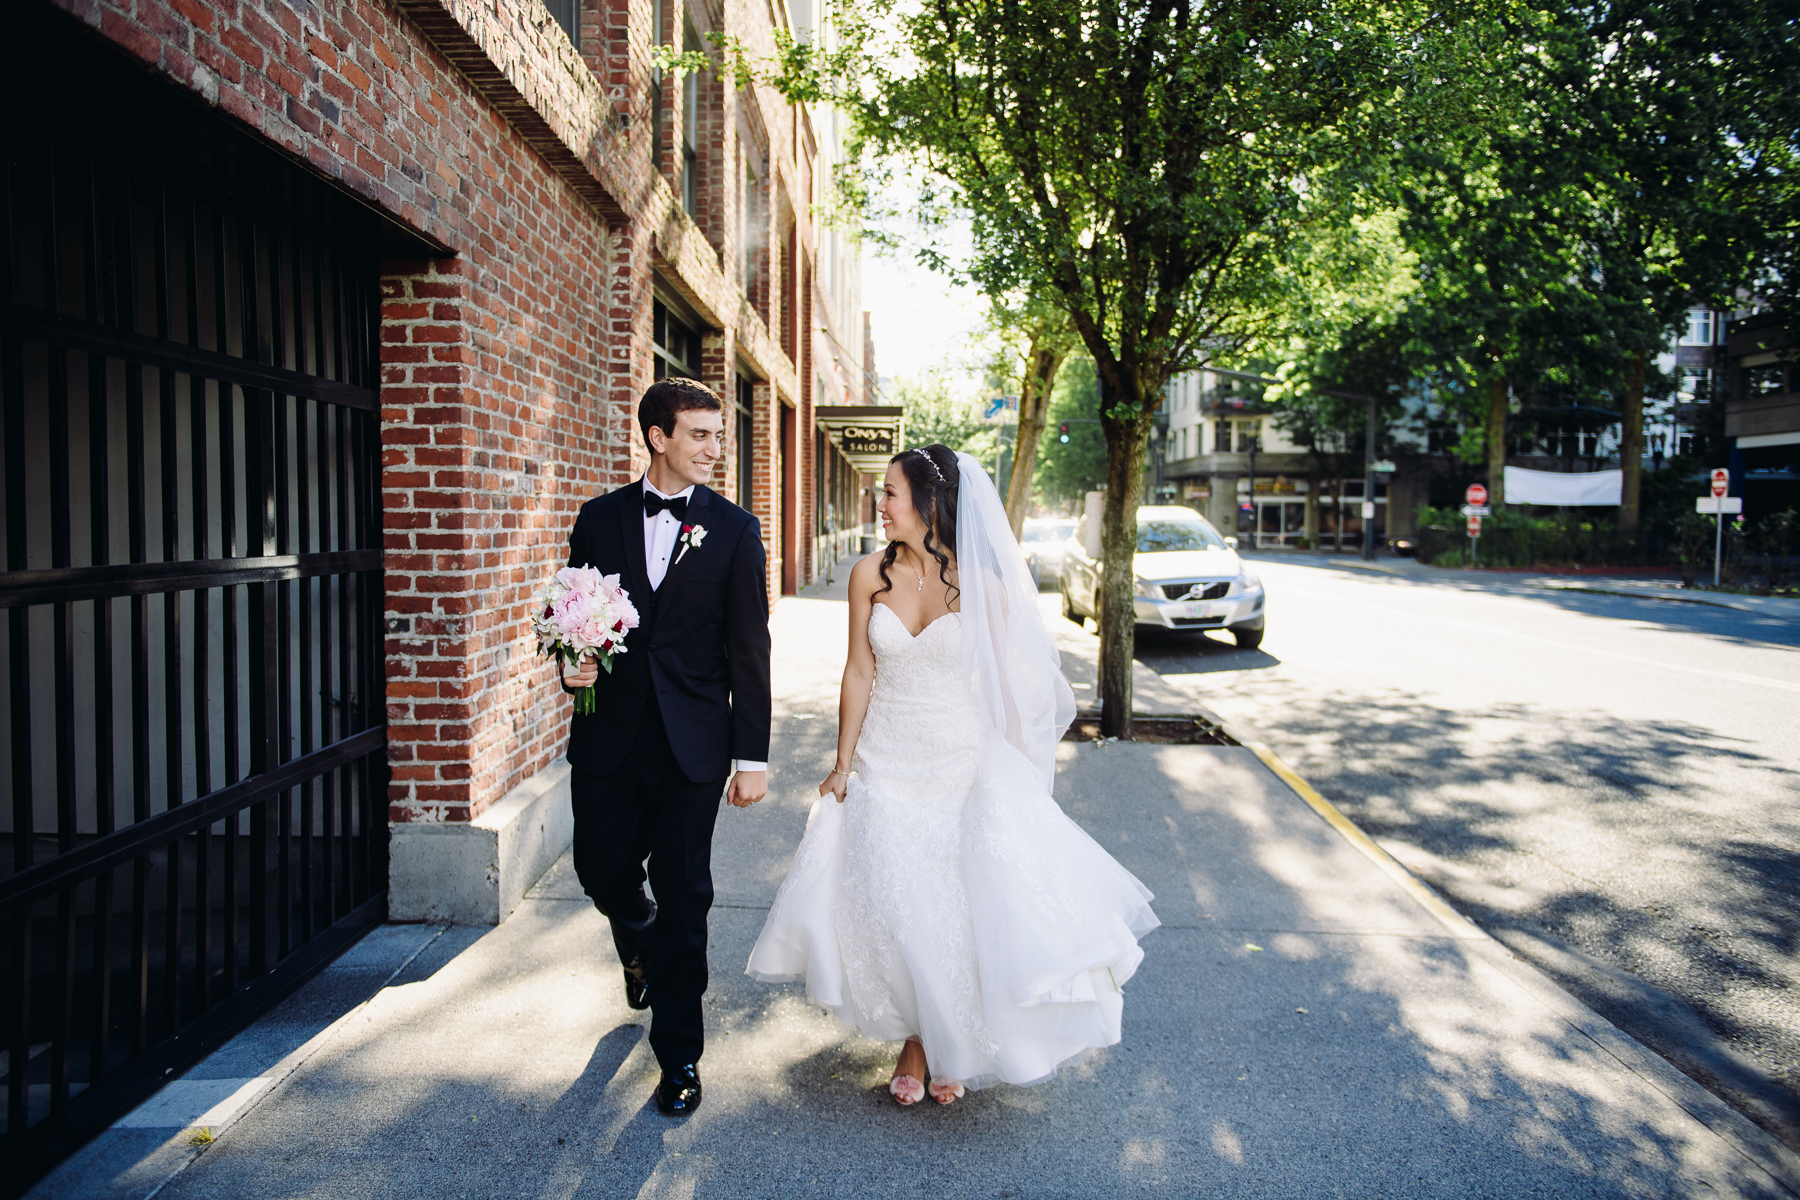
193,809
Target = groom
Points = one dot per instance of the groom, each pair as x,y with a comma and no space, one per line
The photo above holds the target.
682,717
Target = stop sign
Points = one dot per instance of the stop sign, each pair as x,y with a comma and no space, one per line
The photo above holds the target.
1476,495
1721,481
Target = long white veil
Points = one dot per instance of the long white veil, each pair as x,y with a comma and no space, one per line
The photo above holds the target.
1009,658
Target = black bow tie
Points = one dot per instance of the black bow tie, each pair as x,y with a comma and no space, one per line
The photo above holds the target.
654,504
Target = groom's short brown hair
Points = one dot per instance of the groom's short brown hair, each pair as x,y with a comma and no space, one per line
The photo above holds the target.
668,398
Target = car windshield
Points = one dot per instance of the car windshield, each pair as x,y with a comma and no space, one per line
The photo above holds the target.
1155,537
1049,533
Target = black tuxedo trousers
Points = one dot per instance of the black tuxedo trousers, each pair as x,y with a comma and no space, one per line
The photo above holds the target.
647,807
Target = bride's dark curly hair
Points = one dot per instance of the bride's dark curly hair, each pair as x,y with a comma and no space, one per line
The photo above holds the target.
932,475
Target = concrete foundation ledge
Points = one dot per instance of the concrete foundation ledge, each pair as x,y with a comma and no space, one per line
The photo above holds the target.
476,872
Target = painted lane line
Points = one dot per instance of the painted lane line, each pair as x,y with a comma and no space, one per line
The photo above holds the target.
1459,926
1635,659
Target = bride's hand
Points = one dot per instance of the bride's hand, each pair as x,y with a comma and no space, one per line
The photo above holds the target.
834,785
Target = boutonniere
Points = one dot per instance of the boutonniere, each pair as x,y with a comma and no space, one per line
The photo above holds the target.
690,539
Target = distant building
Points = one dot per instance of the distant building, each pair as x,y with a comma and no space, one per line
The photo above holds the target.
1762,414
1224,455
1289,495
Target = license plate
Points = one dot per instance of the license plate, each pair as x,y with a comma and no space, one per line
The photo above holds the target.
1199,608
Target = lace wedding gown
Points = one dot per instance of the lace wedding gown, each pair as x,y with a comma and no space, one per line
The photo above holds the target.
949,896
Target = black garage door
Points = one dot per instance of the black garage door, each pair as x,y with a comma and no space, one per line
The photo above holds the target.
192,812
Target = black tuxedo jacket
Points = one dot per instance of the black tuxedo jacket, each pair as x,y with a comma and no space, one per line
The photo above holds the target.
700,652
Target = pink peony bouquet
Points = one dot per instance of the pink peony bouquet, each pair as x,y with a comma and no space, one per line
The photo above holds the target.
583,612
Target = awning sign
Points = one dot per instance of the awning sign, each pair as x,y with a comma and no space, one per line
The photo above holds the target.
866,439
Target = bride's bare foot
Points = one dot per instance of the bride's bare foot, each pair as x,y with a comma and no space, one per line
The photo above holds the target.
909,1070
946,1091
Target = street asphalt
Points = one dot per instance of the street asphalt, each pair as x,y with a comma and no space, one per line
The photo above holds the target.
1601,771
1309,1022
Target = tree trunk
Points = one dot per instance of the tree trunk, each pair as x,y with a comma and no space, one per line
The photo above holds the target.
1125,441
1496,441
1041,365
1631,446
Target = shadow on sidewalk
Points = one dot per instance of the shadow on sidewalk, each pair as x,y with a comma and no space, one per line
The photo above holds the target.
1299,1028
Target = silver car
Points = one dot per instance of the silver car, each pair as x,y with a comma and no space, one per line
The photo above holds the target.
1184,576
1043,544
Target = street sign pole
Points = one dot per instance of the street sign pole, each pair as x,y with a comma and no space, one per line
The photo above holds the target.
1474,508
1718,542
1369,490
1721,483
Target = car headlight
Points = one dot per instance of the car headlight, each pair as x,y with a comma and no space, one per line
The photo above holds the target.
1252,581
1147,589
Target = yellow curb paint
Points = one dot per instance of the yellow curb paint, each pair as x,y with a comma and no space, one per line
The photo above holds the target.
1363,566
1458,925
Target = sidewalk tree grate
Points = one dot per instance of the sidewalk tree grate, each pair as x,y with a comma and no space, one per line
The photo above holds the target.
1157,730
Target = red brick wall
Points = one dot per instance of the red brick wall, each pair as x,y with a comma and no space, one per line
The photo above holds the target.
512,363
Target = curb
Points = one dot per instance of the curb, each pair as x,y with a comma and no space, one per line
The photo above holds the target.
1459,926
1760,1149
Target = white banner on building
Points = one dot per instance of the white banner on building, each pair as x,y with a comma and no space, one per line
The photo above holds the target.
1557,487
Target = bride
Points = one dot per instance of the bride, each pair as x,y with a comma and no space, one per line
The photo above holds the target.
942,899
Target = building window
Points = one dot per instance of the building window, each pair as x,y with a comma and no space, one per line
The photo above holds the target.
1702,327
745,422
750,230
690,130
1696,385
1765,380
676,348
1245,431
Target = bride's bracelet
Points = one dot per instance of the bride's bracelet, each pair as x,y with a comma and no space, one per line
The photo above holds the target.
845,774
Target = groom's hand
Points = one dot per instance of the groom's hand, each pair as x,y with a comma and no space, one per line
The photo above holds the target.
586,676
747,787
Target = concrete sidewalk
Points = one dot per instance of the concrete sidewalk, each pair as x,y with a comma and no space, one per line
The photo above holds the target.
1303,1027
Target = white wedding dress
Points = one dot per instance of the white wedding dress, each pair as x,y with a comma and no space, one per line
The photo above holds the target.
949,896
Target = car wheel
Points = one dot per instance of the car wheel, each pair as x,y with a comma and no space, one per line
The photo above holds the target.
1068,606
1248,639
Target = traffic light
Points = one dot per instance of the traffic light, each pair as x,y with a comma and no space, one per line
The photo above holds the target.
1062,432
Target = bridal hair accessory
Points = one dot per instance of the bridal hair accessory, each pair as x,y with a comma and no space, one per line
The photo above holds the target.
690,539
931,462
582,612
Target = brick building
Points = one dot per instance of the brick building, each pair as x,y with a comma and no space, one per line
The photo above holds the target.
325,316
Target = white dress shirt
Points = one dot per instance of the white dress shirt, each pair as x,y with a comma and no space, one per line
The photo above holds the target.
660,534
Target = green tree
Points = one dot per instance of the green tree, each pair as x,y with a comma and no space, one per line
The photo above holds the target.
937,412
1673,111
1147,165
1068,471
1030,339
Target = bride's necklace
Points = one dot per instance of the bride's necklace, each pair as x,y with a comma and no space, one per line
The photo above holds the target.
920,586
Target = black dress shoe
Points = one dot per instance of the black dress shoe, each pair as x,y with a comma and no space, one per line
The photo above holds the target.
678,1094
637,984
